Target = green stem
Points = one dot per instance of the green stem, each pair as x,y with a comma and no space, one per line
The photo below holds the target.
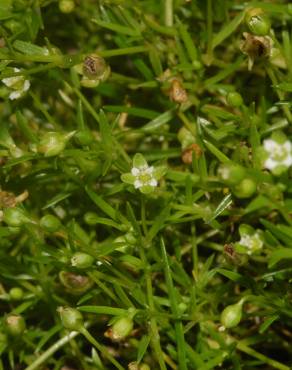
153,324
101,348
209,31
246,349
168,13
50,351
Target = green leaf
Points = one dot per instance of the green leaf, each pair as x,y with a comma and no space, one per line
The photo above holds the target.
278,255
103,310
142,347
224,204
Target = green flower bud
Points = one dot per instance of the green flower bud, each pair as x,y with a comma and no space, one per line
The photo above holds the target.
197,65
66,6
91,218
234,99
257,22
231,173
53,143
245,189
84,137
15,217
120,329
82,260
71,318
231,315
16,294
50,223
185,137
14,325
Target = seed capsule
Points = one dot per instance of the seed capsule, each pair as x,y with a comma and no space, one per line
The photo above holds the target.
82,260
231,315
71,318
53,143
120,329
14,325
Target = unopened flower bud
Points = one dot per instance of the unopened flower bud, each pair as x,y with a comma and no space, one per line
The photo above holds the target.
245,188
53,143
50,223
234,99
231,315
84,137
66,6
15,217
14,325
16,294
257,22
71,318
81,260
231,173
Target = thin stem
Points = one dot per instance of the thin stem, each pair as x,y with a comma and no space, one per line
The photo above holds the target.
209,31
101,348
246,349
50,351
168,13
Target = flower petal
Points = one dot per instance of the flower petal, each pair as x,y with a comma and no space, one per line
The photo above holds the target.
135,171
138,184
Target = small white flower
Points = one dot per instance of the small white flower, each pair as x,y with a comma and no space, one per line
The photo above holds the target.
251,242
278,154
143,176
18,84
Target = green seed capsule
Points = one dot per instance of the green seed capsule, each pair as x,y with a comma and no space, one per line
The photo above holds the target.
258,22
53,143
82,260
121,329
71,318
15,217
234,99
16,294
50,223
14,325
66,6
84,137
245,189
231,315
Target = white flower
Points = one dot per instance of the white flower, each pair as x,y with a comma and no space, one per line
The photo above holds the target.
279,154
143,176
252,242
18,84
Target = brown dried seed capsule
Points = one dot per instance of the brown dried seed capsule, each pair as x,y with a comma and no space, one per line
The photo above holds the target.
177,93
7,199
255,47
187,154
94,66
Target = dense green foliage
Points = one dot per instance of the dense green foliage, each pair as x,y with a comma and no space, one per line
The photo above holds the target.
146,197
